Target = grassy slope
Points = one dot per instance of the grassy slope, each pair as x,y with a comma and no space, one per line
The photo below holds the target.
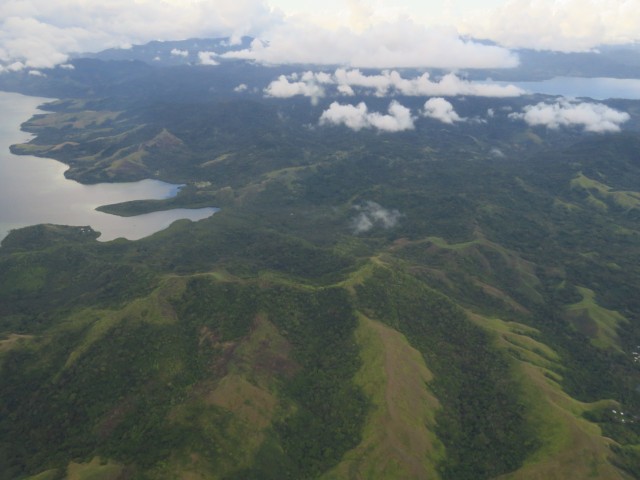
571,447
595,321
398,438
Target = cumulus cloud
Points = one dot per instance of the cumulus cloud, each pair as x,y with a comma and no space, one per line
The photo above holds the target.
569,25
286,87
440,109
401,43
241,88
347,81
593,117
206,58
358,117
372,214
179,53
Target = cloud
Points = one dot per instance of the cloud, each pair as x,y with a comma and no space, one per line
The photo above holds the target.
354,33
593,117
569,25
358,117
284,88
440,109
346,82
400,44
179,53
374,215
29,43
206,58
241,88
496,153
42,33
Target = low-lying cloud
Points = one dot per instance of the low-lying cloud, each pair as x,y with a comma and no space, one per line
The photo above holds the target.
291,86
593,117
179,53
42,33
440,109
357,117
207,58
371,215
346,82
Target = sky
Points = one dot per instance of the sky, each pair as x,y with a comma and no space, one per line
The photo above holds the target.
38,34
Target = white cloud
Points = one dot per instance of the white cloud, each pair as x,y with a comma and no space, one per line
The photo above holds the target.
567,25
206,58
41,33
496,153
373,215
356,33
346,90
346,81
401,43
354,117
593,117
440,109
284,88
179,53
358,117
15,67
241,88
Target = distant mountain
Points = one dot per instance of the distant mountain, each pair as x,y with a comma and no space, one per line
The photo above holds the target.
171,53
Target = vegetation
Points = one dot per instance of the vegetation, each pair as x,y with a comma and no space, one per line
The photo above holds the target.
491,330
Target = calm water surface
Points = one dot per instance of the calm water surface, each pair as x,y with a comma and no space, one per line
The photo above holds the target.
596,88
33,190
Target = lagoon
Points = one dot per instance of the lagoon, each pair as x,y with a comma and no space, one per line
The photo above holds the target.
34,190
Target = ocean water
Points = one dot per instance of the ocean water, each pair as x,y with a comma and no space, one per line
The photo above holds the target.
596,88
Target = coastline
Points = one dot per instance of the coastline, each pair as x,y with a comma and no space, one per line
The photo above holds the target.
34,189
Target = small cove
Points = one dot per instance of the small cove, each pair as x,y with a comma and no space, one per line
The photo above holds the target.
34,190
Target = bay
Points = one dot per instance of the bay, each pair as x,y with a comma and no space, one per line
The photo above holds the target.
599,88
34,190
